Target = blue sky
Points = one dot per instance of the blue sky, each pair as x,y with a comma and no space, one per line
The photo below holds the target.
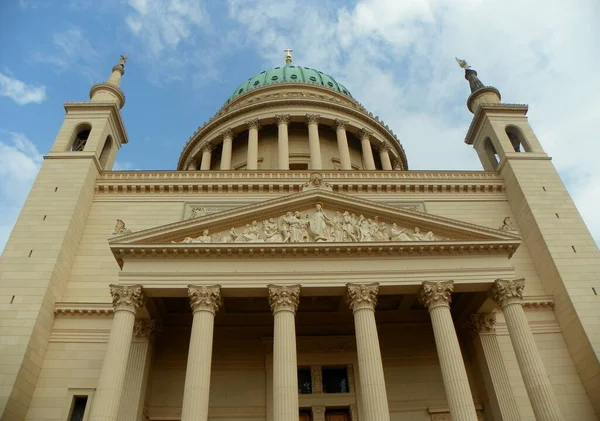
396,57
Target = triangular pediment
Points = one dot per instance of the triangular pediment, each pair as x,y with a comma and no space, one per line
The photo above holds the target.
317,218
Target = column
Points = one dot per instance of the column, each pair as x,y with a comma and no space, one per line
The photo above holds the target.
384,155
284,302
205,300
495,376
508,294
436,297
342,140
138,368
316,376
127,300
206,155
313,141
227,136
252,159
367,151
282,141
362,299
193,166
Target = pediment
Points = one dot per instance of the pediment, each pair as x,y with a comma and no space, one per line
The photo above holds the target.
319,218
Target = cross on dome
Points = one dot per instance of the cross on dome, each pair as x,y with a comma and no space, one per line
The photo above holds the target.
288,55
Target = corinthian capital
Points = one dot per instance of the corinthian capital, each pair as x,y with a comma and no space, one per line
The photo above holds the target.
383,148
362,296
227,133
312,118
130,298
365,134
340,124
507,291
284,297
434,294
482,322
205,297
283,118
253,124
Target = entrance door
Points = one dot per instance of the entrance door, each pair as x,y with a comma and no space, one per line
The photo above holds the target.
337,416
305,415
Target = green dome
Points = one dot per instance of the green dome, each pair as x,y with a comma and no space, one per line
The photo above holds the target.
289,74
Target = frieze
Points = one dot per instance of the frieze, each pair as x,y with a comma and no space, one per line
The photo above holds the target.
296,227
197,211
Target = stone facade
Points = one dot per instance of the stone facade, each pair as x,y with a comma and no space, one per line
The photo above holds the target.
293,266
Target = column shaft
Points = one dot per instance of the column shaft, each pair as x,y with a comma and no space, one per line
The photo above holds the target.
313,142
226,152
436,297
206,155
342,140
205,302
284,302
384,155
283,142
367,150
252,159
532,368
363,298
508,294
454,373
107,398
138,368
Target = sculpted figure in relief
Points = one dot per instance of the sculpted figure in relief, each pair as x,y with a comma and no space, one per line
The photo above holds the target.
318,227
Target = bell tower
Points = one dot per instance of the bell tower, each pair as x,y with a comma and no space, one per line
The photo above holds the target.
41,248
565,254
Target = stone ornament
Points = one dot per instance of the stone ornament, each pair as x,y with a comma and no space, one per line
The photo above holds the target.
508,225
312,118
198,211
253,124
227,133
205,298
283,119
341,124
364,133
362,296
506,291
482,322
284,297
293,227
120,228
130,298
144,328
434,294
316,181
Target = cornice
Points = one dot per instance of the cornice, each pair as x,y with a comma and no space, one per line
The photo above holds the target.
186,182
538,301
217,123
311,250
101,105
86,309
75,155
484,109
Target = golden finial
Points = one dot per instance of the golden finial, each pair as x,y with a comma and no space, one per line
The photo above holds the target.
288,55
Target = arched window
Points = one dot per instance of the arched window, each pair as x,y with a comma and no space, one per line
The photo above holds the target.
517,139
81,135
490,151
106,150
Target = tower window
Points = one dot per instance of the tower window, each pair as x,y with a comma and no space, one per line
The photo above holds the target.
304,381
78,408
335,380
517,139
83,133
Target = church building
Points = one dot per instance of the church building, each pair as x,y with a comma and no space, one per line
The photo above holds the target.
293,267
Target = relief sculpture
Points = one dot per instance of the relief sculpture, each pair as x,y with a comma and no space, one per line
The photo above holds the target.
293,227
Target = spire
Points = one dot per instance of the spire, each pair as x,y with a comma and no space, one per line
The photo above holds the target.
288,56
110,91
480,94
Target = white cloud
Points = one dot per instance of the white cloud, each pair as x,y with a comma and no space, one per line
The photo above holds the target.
163,24
19,164
74,52
397,58
20,92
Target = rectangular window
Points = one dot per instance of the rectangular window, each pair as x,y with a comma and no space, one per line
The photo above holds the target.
78,408
298,166
304,381
335,380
